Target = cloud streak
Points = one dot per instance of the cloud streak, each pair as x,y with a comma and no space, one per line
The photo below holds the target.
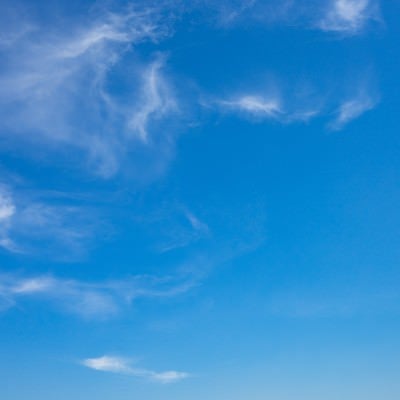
256,106
156,101
89,299
260,108
175,226
118,365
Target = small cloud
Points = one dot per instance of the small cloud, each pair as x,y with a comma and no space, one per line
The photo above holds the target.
108,364
197,225
34,285
120,365
168,376
255,106
353,108
262,108
348,16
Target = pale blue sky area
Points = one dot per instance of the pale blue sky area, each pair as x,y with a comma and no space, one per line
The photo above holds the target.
199,200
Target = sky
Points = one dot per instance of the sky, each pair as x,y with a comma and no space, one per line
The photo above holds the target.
199,199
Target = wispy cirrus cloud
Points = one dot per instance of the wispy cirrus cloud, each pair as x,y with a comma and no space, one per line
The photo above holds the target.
119,365
90,299
347,102
58,88
53,227
259,107
353,108
155,101
172,226
90,96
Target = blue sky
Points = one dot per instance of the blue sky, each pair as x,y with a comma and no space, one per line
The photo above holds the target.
199,199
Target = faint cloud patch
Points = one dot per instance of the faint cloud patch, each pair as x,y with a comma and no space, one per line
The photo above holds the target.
349,16
346,17
172,226
352,109
49,226
99,300
7,211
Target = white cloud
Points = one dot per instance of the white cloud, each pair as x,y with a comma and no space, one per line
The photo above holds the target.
34,285
353,108
56,88
120,365
260,108
348,16
256,106
168,376
91,299
156,101
108,364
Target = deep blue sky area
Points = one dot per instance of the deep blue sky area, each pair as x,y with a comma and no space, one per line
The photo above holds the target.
199,200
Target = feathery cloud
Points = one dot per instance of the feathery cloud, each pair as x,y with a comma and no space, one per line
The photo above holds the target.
120,365
353,108
155,102
90,299
58,89
261,107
